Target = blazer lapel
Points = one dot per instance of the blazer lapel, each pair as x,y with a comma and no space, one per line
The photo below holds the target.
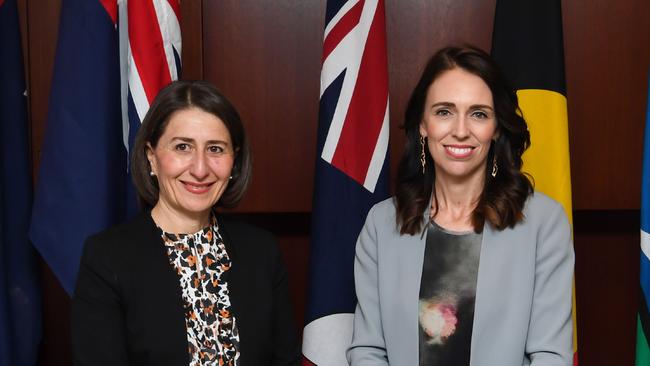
402,326
501,270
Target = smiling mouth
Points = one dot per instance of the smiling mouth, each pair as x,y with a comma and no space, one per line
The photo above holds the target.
456,151
197,188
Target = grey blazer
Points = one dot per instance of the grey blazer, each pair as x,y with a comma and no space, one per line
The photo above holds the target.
522,312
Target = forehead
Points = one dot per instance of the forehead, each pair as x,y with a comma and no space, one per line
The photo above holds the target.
196,124
459,86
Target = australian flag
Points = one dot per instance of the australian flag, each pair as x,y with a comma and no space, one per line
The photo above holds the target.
104,69
351,168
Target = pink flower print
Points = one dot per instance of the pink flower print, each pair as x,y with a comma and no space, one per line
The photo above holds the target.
438,320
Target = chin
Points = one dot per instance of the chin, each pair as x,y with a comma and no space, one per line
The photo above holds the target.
197,208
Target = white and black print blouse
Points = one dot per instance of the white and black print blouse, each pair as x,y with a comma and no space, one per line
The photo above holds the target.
200,259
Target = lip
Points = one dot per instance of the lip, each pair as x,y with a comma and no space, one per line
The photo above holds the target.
459,151
197,188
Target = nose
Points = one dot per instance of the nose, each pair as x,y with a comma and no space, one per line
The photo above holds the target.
460,128
199,167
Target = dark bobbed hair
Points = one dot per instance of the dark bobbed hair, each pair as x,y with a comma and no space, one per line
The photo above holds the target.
503,197
181,95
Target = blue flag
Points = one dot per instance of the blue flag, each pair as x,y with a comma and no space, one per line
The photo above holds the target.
81,182
351,169
20,302
643,327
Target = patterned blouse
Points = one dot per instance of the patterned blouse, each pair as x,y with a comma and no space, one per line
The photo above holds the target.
200,259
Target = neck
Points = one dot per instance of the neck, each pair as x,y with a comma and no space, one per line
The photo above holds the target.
457,199
173,221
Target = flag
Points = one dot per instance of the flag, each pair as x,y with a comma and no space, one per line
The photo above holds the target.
643,321
351,173
150,48
20,302
528,45
82,185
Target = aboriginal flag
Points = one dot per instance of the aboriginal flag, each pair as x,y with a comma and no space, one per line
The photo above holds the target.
528,45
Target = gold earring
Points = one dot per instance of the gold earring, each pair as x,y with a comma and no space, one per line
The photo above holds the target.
423,158
495,167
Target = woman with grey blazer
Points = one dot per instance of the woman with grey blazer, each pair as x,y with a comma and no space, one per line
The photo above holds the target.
467,264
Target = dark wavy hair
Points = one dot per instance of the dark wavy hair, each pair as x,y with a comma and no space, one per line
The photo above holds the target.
180,95
502,201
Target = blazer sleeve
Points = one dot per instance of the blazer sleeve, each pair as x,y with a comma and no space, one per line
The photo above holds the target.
368,345
550,333
98,335
285,345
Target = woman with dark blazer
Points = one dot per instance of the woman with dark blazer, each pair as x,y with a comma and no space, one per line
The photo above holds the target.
179,284
466,265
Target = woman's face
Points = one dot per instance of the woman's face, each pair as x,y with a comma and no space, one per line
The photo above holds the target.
192,161
459,124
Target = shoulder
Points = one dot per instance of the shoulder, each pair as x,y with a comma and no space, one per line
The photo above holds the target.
383,210
247,238
381,219
120,237
540,208
539,201
242,230
545,219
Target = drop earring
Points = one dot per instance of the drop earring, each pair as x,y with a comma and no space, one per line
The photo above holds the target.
423,158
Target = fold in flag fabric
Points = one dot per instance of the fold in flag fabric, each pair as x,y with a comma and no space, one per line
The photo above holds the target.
82,185
528,45
150,49
351,169
643,322
20,299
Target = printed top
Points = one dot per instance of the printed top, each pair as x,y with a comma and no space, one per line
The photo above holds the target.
201,260
447,294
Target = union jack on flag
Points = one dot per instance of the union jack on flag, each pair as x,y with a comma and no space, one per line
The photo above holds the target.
153,54
150,49
351,168
112,58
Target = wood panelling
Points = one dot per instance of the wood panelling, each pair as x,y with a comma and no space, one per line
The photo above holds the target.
607,63
192,36
265,57
56,346
607,285
43,25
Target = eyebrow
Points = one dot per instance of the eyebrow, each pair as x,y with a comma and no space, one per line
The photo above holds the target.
482,106
190,140
473,106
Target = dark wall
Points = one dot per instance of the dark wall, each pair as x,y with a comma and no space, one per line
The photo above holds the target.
266,57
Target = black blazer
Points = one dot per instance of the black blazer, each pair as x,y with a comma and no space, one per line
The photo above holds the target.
127,308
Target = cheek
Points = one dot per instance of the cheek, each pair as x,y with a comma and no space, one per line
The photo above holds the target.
489,131
436,130
170,165
222,167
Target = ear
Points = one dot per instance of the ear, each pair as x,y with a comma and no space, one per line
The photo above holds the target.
497,134
152,158
423,131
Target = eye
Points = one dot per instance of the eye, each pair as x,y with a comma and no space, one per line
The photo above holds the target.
443,112
215,149
182,147
480,114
